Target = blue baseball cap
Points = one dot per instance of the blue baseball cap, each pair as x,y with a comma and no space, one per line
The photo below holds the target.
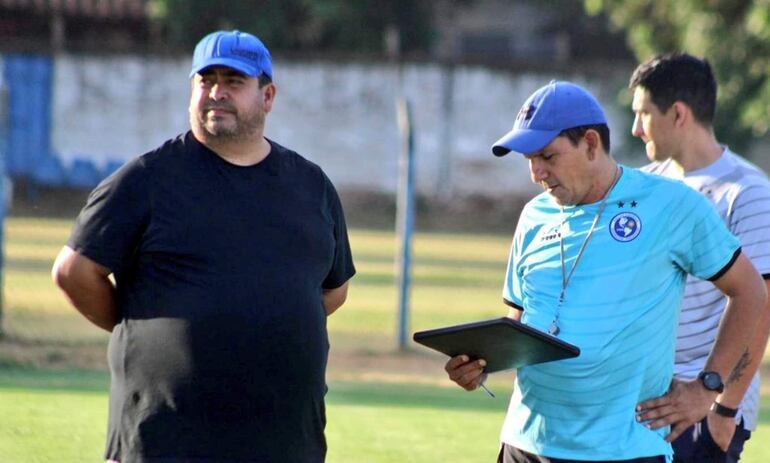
546,113
234,49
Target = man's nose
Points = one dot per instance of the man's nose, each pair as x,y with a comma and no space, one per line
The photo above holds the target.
537,171
636,128
217,92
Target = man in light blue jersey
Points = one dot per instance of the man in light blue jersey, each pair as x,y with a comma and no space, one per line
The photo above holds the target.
599,260
674,105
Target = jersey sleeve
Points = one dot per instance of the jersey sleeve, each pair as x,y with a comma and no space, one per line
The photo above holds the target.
342,266
512,293
108,228
749,220
702,244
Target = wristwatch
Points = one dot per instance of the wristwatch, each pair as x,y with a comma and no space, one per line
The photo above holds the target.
721,410
711,381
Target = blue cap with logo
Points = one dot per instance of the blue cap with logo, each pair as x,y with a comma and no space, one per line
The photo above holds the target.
233,49
550,110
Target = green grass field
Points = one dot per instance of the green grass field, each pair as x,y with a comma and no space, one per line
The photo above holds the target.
383,405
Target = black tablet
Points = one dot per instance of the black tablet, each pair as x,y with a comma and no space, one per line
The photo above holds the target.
503,342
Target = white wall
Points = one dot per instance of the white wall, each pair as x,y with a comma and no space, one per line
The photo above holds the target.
340,115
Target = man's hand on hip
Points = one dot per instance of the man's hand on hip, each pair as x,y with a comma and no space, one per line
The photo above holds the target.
686,403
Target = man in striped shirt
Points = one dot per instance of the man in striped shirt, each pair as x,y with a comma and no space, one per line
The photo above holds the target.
674,104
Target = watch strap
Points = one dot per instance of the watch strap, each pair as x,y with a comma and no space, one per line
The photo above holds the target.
721,410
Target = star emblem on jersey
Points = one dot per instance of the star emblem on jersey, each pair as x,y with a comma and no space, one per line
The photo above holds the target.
625,226
622,204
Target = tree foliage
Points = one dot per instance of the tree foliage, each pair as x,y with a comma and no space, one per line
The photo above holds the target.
300,25
734,35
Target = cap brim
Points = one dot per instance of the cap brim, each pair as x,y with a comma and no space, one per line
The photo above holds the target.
523,141
239,66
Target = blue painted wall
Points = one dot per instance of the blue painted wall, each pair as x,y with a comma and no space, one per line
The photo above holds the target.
28,79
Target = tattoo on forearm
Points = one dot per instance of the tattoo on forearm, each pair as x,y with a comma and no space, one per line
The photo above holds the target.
737,372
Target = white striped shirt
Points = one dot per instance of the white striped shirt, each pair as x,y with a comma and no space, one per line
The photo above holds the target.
740,192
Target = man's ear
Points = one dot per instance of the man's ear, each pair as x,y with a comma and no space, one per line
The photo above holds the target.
269,96
681,112
592,140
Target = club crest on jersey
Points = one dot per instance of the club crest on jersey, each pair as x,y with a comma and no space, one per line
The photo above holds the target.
625,226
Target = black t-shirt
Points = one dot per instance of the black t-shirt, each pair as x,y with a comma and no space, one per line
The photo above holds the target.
221,351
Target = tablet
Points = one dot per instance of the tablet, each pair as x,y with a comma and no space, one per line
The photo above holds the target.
503,342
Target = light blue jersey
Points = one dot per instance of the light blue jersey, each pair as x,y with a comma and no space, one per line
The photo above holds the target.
620,307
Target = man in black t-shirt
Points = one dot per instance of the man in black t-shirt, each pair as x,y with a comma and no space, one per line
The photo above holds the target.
228,252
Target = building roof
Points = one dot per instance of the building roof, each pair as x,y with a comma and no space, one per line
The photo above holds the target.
105,9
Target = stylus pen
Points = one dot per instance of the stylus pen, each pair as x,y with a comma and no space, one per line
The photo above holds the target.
487,390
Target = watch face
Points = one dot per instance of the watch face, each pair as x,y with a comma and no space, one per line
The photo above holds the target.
711,380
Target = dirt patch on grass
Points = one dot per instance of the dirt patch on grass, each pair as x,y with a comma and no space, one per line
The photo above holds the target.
21,353
347,364
344,364
386,367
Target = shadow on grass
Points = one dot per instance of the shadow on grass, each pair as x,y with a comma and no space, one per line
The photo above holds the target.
368,394
29,264
61,380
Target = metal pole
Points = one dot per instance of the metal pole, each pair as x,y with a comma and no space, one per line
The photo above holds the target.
405,217
3,197
444,178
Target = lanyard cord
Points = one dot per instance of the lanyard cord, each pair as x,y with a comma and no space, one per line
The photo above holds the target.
565,277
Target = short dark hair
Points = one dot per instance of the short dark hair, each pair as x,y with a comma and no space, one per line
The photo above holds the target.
673,77
576,133
263,80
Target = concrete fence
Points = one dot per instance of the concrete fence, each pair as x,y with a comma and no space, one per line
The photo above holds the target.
107,109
